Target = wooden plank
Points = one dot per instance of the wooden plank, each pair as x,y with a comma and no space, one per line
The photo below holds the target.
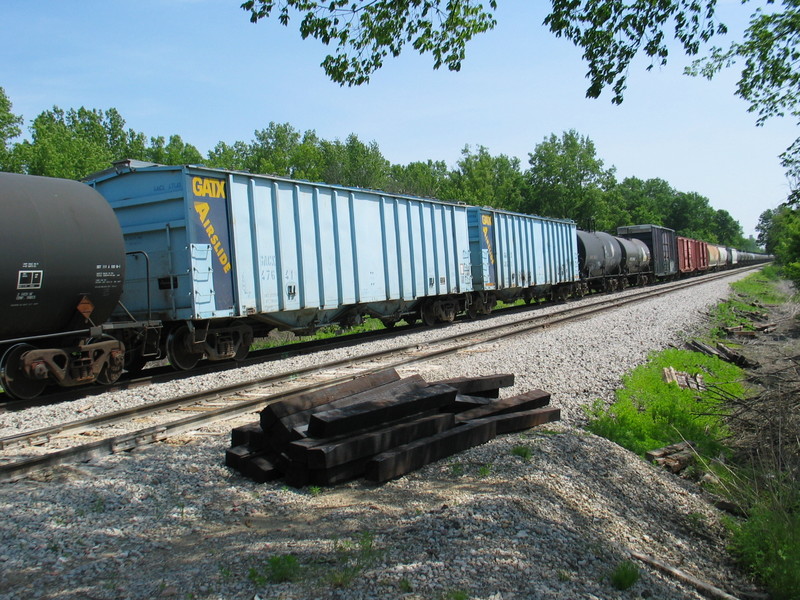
248,435
519,421
323,454
486,385
384,408
308,400
419,453
297,475
463,402
260,469
520,402
285,429
236,455
339,473
703,586
652,455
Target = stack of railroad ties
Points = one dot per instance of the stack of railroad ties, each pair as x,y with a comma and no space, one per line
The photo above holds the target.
379,426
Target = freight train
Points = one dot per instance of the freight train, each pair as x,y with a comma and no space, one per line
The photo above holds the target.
145,261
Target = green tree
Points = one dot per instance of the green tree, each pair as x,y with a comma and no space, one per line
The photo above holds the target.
75,143
691,215
9,129
235,157
174,152
727,230
779,232
566,179
644,201
485,180
354,163
429,179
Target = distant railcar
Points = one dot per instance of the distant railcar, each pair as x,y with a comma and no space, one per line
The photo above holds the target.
662,245
692,255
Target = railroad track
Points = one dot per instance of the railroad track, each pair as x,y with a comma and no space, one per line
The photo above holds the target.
31,451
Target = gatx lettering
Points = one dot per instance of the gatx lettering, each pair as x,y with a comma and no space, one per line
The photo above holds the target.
208,187
202,209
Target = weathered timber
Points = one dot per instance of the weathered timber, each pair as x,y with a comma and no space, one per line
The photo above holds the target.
260,469
297,475
519,421
676,462
487,386
698,346
248,435
652,455
730,355
706,588
419,453
339,473
309,400
236,455
285,429
323,454
463,402
674,457
526,401
684,380
382,409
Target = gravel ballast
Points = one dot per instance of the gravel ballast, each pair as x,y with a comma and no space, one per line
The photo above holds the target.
171,521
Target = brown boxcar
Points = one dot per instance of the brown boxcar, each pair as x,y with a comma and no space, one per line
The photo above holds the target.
692,255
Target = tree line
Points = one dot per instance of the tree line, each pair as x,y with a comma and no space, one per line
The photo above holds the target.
564,177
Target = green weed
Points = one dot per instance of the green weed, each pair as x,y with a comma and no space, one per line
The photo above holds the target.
455,595
283,568
352,557
523,452
624,575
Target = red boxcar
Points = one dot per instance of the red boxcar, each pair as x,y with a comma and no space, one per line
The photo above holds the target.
692,255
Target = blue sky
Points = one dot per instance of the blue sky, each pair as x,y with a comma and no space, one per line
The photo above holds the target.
200,69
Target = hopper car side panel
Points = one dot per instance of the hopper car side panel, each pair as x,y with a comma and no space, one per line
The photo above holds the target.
289,253
511,250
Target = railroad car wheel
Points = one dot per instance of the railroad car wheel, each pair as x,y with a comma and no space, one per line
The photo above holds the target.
473,310
246,341
13,378
178,352
110,373
428,314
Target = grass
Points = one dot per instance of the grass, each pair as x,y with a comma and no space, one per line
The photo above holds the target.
455,595
738,310
649,413
352,557
625,575
523,452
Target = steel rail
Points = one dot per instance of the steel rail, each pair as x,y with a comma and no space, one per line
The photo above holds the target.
15,470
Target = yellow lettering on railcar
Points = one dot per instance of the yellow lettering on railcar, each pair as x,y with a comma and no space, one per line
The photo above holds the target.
486,219
208,187
202,208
